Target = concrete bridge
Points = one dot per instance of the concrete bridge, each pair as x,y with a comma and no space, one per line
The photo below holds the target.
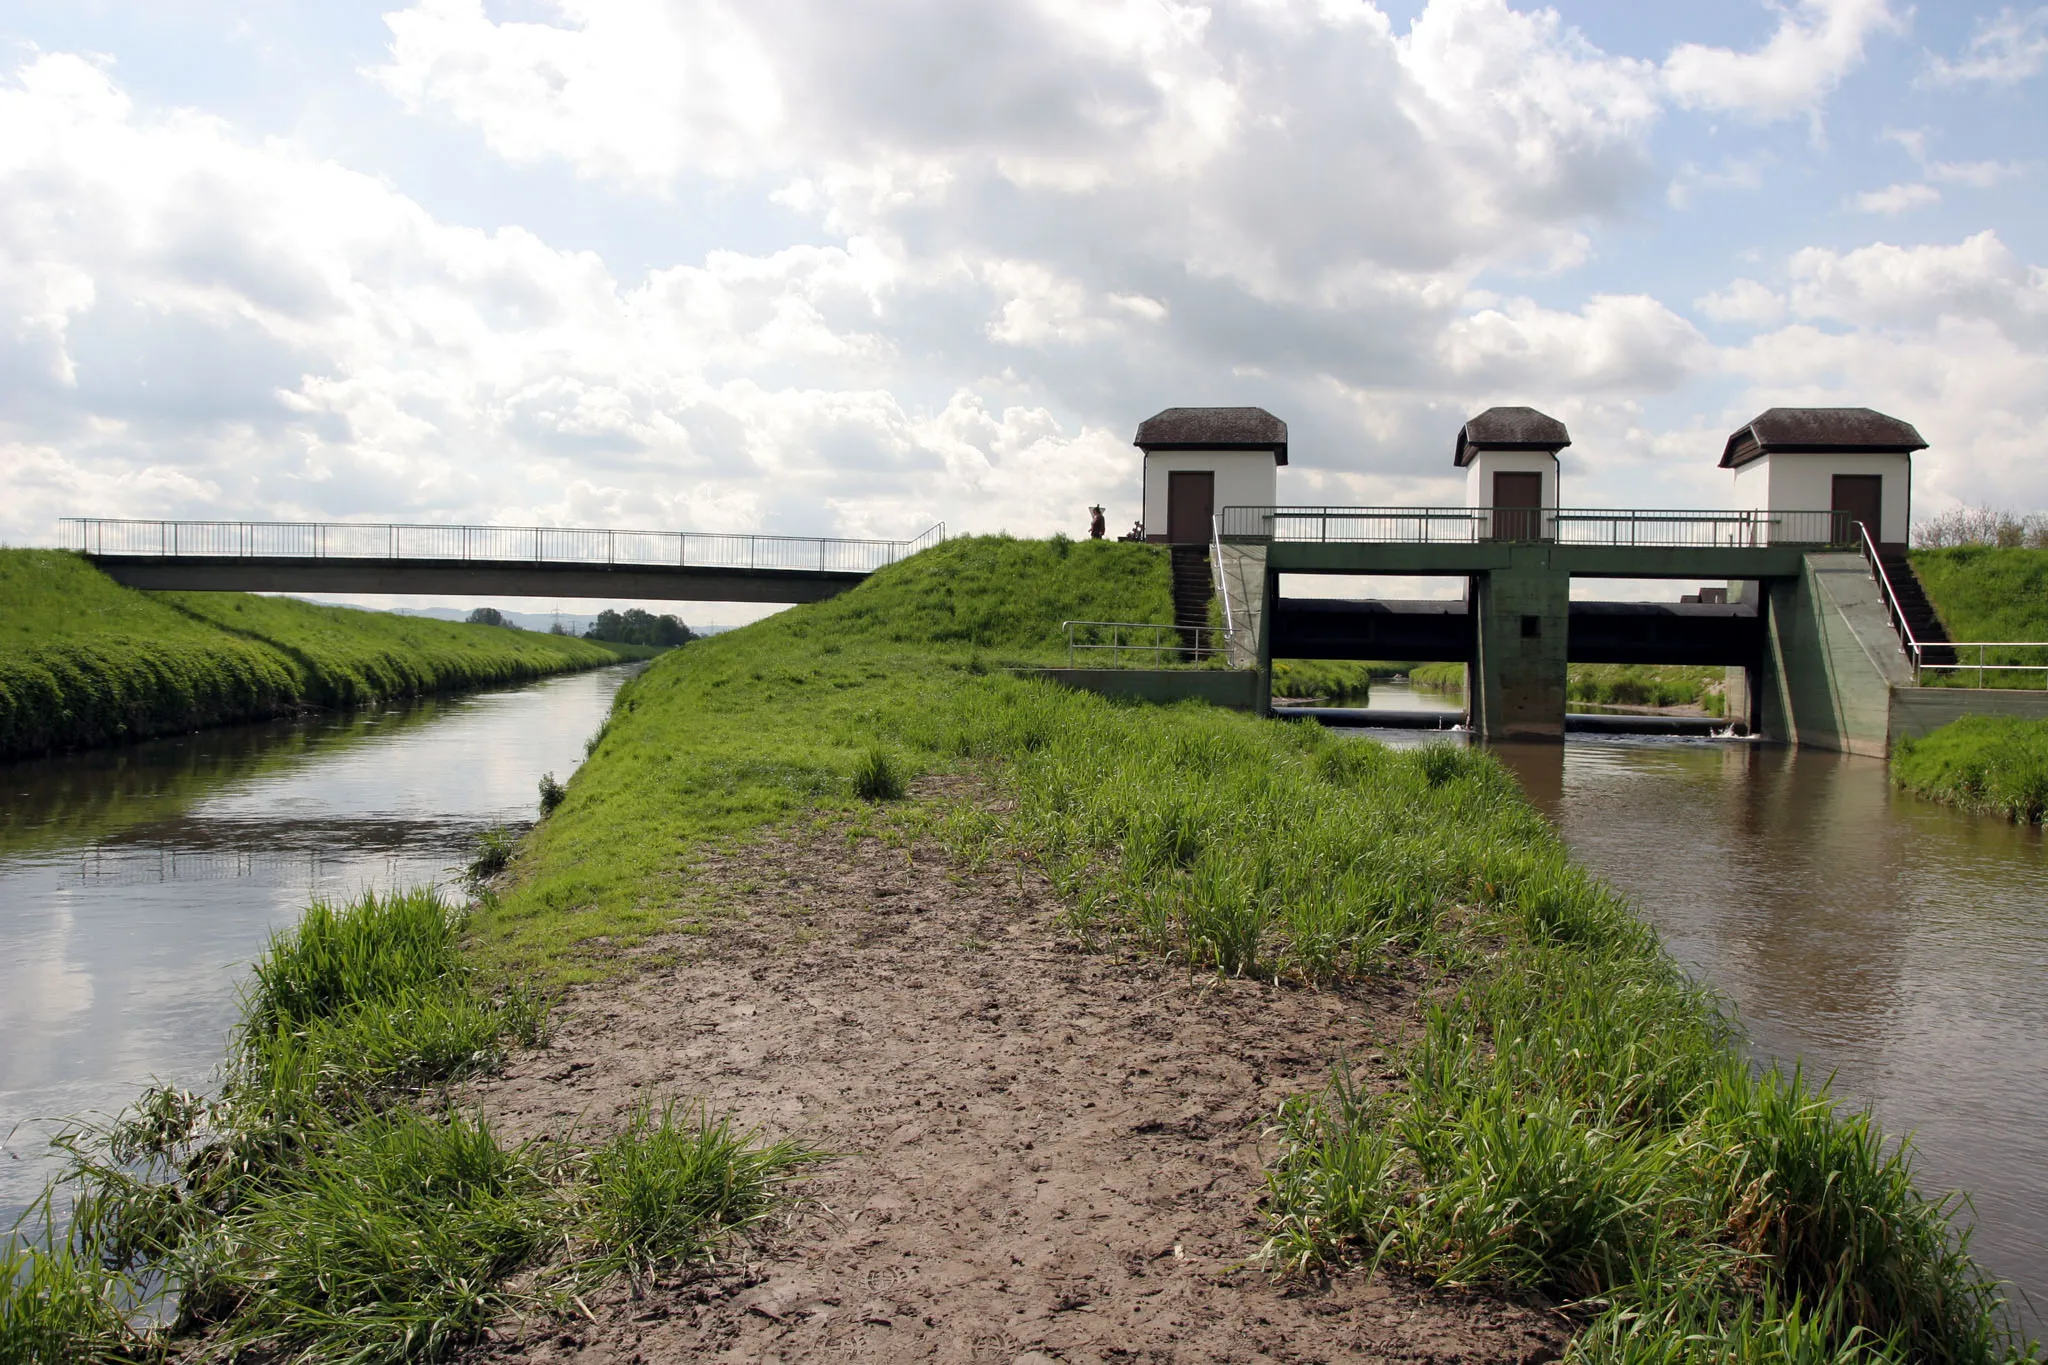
480,561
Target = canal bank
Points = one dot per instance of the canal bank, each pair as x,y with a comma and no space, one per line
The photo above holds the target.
86,662
136,884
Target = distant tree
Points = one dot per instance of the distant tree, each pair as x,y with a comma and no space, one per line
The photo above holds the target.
488,616
1982,526
636,627
561,628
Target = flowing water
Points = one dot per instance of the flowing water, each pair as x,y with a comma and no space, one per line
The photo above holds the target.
137,884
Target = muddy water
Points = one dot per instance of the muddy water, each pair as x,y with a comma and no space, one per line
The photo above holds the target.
137,884
1896,944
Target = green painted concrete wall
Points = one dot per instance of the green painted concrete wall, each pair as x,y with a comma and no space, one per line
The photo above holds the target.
1917,710
1520,615
1237,689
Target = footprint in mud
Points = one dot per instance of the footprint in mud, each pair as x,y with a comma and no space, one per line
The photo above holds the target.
884,1279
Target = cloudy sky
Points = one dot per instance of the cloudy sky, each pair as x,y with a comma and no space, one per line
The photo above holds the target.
855,266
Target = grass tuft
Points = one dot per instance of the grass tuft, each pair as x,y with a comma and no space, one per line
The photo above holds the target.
875,777
552,794
668,1189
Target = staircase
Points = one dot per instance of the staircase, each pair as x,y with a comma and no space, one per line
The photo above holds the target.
1193,589
1925,626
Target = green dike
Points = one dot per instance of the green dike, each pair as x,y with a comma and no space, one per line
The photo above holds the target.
1983,763
1576,1119
1611,684
86,662
1333,682
1989,593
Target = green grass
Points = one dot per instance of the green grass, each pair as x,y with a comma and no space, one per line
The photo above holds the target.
87,662
1577,1118
1981,763
331,1203
1334,682
1647,685
1989,594
1610,684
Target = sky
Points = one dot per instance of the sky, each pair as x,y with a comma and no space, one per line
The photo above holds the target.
853,267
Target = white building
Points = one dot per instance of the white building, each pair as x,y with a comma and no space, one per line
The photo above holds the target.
1509,456
1848,460
1199,461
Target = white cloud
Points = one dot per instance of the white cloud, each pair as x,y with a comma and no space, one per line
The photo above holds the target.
2007,48
1815,45
1896,199
1744,301
1954,338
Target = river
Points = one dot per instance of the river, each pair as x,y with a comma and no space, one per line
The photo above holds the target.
1895,943
1898,944
137,884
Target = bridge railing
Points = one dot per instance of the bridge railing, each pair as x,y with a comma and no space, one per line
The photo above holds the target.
1679,528
496,544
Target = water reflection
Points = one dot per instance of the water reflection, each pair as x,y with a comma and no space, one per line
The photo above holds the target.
1898,945
136,884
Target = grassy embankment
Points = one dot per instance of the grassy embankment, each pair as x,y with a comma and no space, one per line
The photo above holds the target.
1333,682
1981,763
331,1204
1987,593
1611,684
1577,1119
86,662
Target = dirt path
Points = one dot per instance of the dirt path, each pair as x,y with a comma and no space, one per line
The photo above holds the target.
1048,1154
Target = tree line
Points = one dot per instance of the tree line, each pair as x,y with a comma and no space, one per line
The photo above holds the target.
632,626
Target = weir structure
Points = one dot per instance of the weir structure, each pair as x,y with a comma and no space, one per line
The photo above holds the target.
1806,598
480,561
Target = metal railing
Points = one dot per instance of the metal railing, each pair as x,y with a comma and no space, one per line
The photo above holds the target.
1651,528
1154,640
500,544
1917,650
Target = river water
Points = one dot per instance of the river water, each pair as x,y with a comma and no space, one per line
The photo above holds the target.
137,884
1898,944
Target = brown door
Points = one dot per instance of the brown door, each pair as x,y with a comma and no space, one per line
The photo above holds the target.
1511,494
1190,504
1858,497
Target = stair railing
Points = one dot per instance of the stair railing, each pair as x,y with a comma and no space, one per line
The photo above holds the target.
1222,579
1892,606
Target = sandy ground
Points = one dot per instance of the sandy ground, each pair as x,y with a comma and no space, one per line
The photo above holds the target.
1045,1154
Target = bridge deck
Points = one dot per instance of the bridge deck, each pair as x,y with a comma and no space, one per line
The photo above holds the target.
481,561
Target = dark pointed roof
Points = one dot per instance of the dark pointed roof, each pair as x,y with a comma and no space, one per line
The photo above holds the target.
1214,429
1510,429
1816,431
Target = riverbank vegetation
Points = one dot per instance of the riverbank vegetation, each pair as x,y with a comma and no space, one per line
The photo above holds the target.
1329,682
85,661
1611,684
333,1201
1575,1118
1989,593
1991,764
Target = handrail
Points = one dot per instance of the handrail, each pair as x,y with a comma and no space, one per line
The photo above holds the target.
167,539
1222,578
1632,527
1116,644
1891,599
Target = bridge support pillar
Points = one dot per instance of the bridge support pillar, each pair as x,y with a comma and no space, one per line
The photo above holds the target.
1520,615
